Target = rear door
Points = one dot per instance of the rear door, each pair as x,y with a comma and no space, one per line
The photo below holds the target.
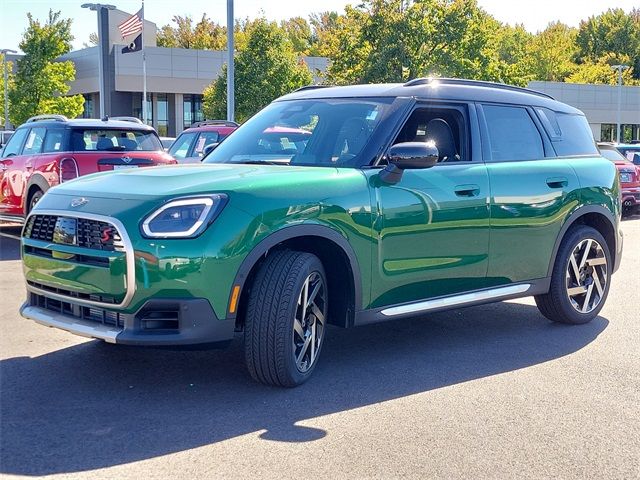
12,168
532,192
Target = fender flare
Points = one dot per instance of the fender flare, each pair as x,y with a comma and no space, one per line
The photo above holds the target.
35,179
571,220
289,233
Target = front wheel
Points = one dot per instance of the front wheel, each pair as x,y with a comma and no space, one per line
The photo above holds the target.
286,318
35,198
580,280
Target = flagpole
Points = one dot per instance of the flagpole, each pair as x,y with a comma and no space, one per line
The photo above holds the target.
144,73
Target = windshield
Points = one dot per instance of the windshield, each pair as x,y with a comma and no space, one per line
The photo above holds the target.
611,154
318,132
114,140
631,153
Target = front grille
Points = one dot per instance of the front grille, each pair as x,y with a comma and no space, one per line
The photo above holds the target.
91,314
73,294
92,234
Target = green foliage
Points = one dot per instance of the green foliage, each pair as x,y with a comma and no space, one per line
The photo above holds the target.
40,83
10,84
204,35
266,67
602,72
551,52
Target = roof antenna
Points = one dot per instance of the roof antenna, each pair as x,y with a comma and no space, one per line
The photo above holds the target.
105,118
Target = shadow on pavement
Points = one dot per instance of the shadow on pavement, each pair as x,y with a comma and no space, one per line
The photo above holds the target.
96,405
9,245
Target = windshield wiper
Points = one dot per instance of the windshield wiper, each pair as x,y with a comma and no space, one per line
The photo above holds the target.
260,162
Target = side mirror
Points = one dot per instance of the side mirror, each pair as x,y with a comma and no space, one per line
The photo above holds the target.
209,148
408,156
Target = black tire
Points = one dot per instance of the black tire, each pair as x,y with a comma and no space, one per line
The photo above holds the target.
558,305
269,340
35,198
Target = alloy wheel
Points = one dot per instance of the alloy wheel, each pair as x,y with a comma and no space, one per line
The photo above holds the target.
309,322
587,276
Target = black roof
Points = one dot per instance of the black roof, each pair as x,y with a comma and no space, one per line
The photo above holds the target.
439,89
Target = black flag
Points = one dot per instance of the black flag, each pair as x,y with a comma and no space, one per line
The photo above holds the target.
134,46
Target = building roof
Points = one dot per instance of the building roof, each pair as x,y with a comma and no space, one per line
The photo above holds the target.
438,89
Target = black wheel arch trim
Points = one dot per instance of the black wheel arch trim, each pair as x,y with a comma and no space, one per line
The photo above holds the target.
290,233
38,180
571,220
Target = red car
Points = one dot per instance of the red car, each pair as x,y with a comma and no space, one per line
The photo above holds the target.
190,145
51,149
629,177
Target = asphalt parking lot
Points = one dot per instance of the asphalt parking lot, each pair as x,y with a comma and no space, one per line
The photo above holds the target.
493,391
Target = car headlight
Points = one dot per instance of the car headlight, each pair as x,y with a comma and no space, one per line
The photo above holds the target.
183,217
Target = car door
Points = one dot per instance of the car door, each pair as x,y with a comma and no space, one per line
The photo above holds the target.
11,168
531,192
432,225
181,148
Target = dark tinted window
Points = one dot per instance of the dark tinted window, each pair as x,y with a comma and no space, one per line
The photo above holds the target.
570,134
512,134
114,140
15,143
53,141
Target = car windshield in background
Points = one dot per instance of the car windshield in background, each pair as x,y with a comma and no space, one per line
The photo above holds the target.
631,153
327,132
611,154
114,140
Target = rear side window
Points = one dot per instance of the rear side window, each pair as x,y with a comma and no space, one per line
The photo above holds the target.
15,143
512,134
53,141
570,134
114,140
205,138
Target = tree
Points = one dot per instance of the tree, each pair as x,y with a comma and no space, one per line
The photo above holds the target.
265,68
601,72
299,32
10,84
41,83
204,35
551,53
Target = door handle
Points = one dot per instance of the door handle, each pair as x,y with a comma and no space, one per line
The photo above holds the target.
470,190
557,182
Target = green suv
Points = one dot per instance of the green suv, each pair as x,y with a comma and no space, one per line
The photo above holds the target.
403,199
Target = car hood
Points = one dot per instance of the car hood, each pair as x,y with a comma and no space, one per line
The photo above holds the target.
197,179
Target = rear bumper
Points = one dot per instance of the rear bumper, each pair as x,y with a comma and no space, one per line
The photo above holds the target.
162,322
630,197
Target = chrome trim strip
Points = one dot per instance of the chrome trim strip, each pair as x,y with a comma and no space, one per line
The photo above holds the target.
130,259
71,324
456,300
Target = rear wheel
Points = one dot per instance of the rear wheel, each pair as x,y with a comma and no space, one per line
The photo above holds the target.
580,280
286,319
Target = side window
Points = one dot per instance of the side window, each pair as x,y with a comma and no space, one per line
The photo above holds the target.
205,138
512,134
446,127
180,147
34,142
570,134
53,141
15,143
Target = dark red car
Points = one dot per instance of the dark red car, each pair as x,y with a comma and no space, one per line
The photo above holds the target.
629,177
51,149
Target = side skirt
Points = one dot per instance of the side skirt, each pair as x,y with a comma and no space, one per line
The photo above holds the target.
467,299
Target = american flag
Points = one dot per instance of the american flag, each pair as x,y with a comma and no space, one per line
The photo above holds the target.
132,25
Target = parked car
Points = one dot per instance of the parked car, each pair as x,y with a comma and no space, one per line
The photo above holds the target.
51,149
406,199
629,177
190,146
5,135
631,151
167,142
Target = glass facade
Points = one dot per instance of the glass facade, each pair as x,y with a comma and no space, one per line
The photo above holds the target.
137,107
609,132
89,111
192,110
162,105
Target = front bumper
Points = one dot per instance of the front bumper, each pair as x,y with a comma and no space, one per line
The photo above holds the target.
161,322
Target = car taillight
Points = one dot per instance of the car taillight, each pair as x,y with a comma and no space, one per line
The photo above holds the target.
68,169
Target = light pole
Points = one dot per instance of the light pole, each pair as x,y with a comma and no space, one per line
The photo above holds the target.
230,65
620,69
97,7
4,52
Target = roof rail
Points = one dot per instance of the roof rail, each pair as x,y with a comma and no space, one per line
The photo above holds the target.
124,119
478,83
224,123
40,118
311,87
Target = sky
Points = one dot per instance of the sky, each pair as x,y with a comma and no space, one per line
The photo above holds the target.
534,14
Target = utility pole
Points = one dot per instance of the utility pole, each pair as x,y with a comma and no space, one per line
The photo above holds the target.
102,45
4,52
620,69
230,64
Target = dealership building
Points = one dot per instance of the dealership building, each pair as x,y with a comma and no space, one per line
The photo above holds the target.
177,77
